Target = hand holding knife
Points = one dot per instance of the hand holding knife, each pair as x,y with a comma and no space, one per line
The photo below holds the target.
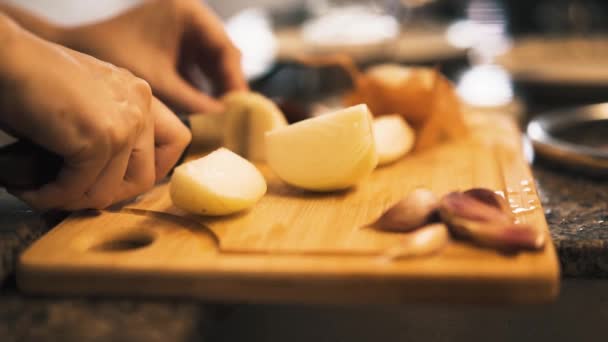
25,165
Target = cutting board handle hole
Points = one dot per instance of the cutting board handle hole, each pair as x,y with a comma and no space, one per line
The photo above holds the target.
126,242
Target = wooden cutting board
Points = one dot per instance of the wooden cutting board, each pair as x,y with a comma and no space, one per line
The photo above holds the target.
295,246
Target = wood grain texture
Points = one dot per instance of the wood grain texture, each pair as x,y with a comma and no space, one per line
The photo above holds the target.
295,246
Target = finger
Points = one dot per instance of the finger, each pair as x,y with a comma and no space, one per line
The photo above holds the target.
107,188
171,137
130,173
217,57
178,92
224,68
140,174
75,178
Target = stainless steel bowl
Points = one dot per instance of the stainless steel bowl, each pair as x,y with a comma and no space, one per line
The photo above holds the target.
574,137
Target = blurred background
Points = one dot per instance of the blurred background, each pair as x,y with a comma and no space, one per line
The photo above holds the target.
519,57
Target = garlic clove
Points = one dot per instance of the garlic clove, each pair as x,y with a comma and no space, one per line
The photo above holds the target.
483,222
426,241
413,211
466,206
489,197
512,236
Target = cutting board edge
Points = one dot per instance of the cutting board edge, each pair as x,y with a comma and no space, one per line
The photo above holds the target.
264,287
275,288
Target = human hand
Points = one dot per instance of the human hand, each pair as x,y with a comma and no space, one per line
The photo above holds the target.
162,41
116,139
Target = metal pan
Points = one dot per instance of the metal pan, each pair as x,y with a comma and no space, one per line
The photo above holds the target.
576,137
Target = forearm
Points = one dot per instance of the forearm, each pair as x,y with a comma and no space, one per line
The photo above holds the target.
33,23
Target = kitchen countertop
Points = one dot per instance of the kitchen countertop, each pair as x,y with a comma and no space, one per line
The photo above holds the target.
26,318
576,208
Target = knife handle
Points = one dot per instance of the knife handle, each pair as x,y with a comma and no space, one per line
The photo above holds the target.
25,165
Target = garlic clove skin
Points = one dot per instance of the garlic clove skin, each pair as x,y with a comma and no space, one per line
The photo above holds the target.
413,211
486,224
426,241
489,197
506,237
466,206
520,236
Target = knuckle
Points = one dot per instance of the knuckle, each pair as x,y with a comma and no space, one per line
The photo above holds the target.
124,72
143,88
136,119
98,139
141,101
105,68
90,133
135,85
118,137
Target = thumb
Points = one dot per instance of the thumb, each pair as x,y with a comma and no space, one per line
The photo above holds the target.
182,95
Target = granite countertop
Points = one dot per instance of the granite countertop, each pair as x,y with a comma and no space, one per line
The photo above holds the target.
576,208
25,318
